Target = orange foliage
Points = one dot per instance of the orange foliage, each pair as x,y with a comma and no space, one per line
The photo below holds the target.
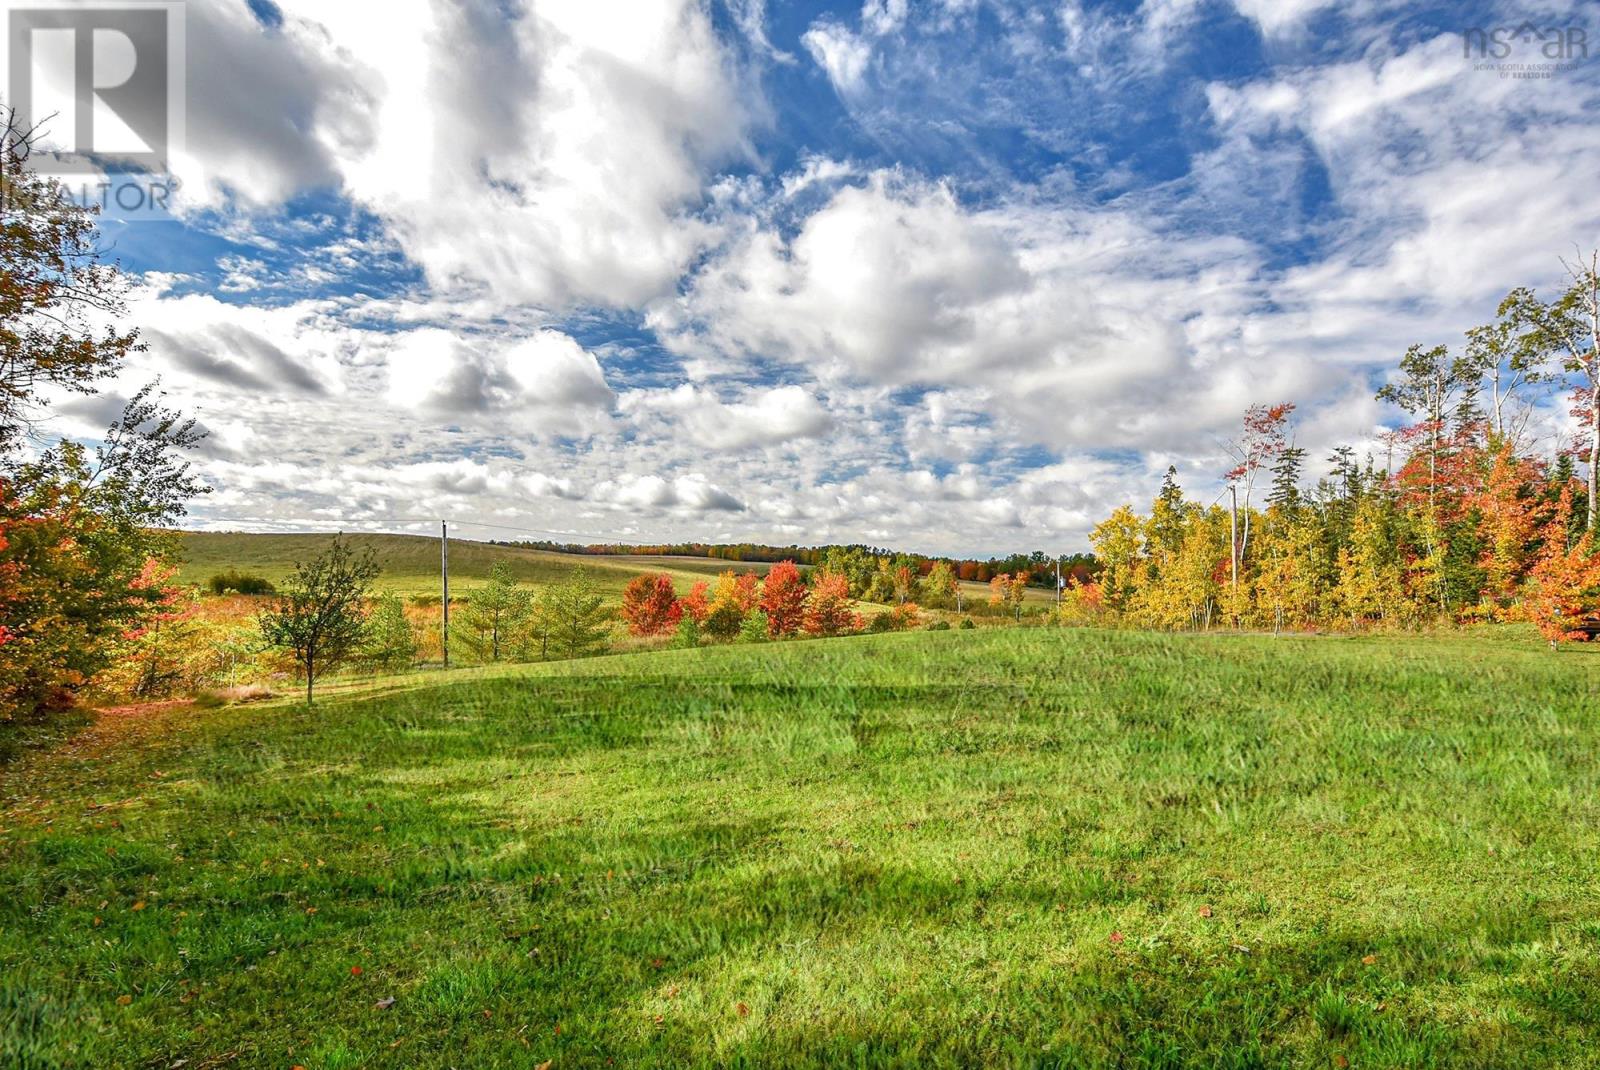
650,605
783,599
831,611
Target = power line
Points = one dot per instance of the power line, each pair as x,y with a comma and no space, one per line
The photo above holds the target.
429,520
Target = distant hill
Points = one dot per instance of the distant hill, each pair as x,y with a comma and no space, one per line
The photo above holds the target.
410,563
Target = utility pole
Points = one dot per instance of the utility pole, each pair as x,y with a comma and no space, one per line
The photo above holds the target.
444,572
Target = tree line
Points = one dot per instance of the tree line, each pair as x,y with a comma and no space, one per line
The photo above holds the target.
1461,520
1039,566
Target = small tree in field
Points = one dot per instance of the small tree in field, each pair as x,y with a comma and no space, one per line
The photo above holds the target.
736,596
496,616
1008,591
321,618
650,605
577,616
831,610
391,642
783,599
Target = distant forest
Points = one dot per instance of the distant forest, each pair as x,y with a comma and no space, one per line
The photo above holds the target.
1038,566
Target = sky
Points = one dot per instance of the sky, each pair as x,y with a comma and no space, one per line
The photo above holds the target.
954,276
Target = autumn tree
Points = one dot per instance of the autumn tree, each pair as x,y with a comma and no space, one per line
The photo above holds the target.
783,599
57,292
320,619
1564,600
1117,542
737,594
940,588
830,610
79,524
1008,590
650,605
696,604
1264,438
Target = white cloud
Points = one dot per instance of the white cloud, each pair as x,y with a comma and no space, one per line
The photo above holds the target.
547,378
839,52
564,163
761,418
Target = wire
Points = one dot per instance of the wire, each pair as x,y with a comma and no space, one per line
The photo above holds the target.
280,520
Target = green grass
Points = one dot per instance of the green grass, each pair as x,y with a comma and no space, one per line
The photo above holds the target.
955,849
410,563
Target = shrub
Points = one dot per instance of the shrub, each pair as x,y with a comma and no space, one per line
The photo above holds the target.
754,628
939,626
967,625
236,582
687,636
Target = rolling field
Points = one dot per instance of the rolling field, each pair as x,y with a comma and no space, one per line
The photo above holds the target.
410,563
1002,848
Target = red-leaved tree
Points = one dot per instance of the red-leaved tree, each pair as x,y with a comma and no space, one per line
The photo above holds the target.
831,610
650,605
783,599
696,604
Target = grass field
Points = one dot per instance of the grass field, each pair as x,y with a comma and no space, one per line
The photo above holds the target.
410,563
1002,848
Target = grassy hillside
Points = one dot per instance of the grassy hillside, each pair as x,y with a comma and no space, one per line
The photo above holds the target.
1006,848
411,562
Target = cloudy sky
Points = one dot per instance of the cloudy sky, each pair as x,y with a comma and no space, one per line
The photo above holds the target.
950,275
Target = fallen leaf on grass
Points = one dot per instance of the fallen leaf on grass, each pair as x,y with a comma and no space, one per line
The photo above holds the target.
138,906
385,1003
1369,960
355,971
1205,911
743,1009
1341,1062
1116,937
123,1001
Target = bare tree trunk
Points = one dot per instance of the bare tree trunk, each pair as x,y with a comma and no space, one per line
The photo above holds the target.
1233,534
1594,444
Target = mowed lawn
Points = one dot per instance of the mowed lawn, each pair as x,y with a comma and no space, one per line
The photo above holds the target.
1002,848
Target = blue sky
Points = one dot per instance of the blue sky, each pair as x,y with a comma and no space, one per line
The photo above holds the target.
955,275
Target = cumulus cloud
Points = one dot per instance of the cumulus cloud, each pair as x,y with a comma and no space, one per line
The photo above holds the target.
549,374
1019,261
1069,327
761,418
692,492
